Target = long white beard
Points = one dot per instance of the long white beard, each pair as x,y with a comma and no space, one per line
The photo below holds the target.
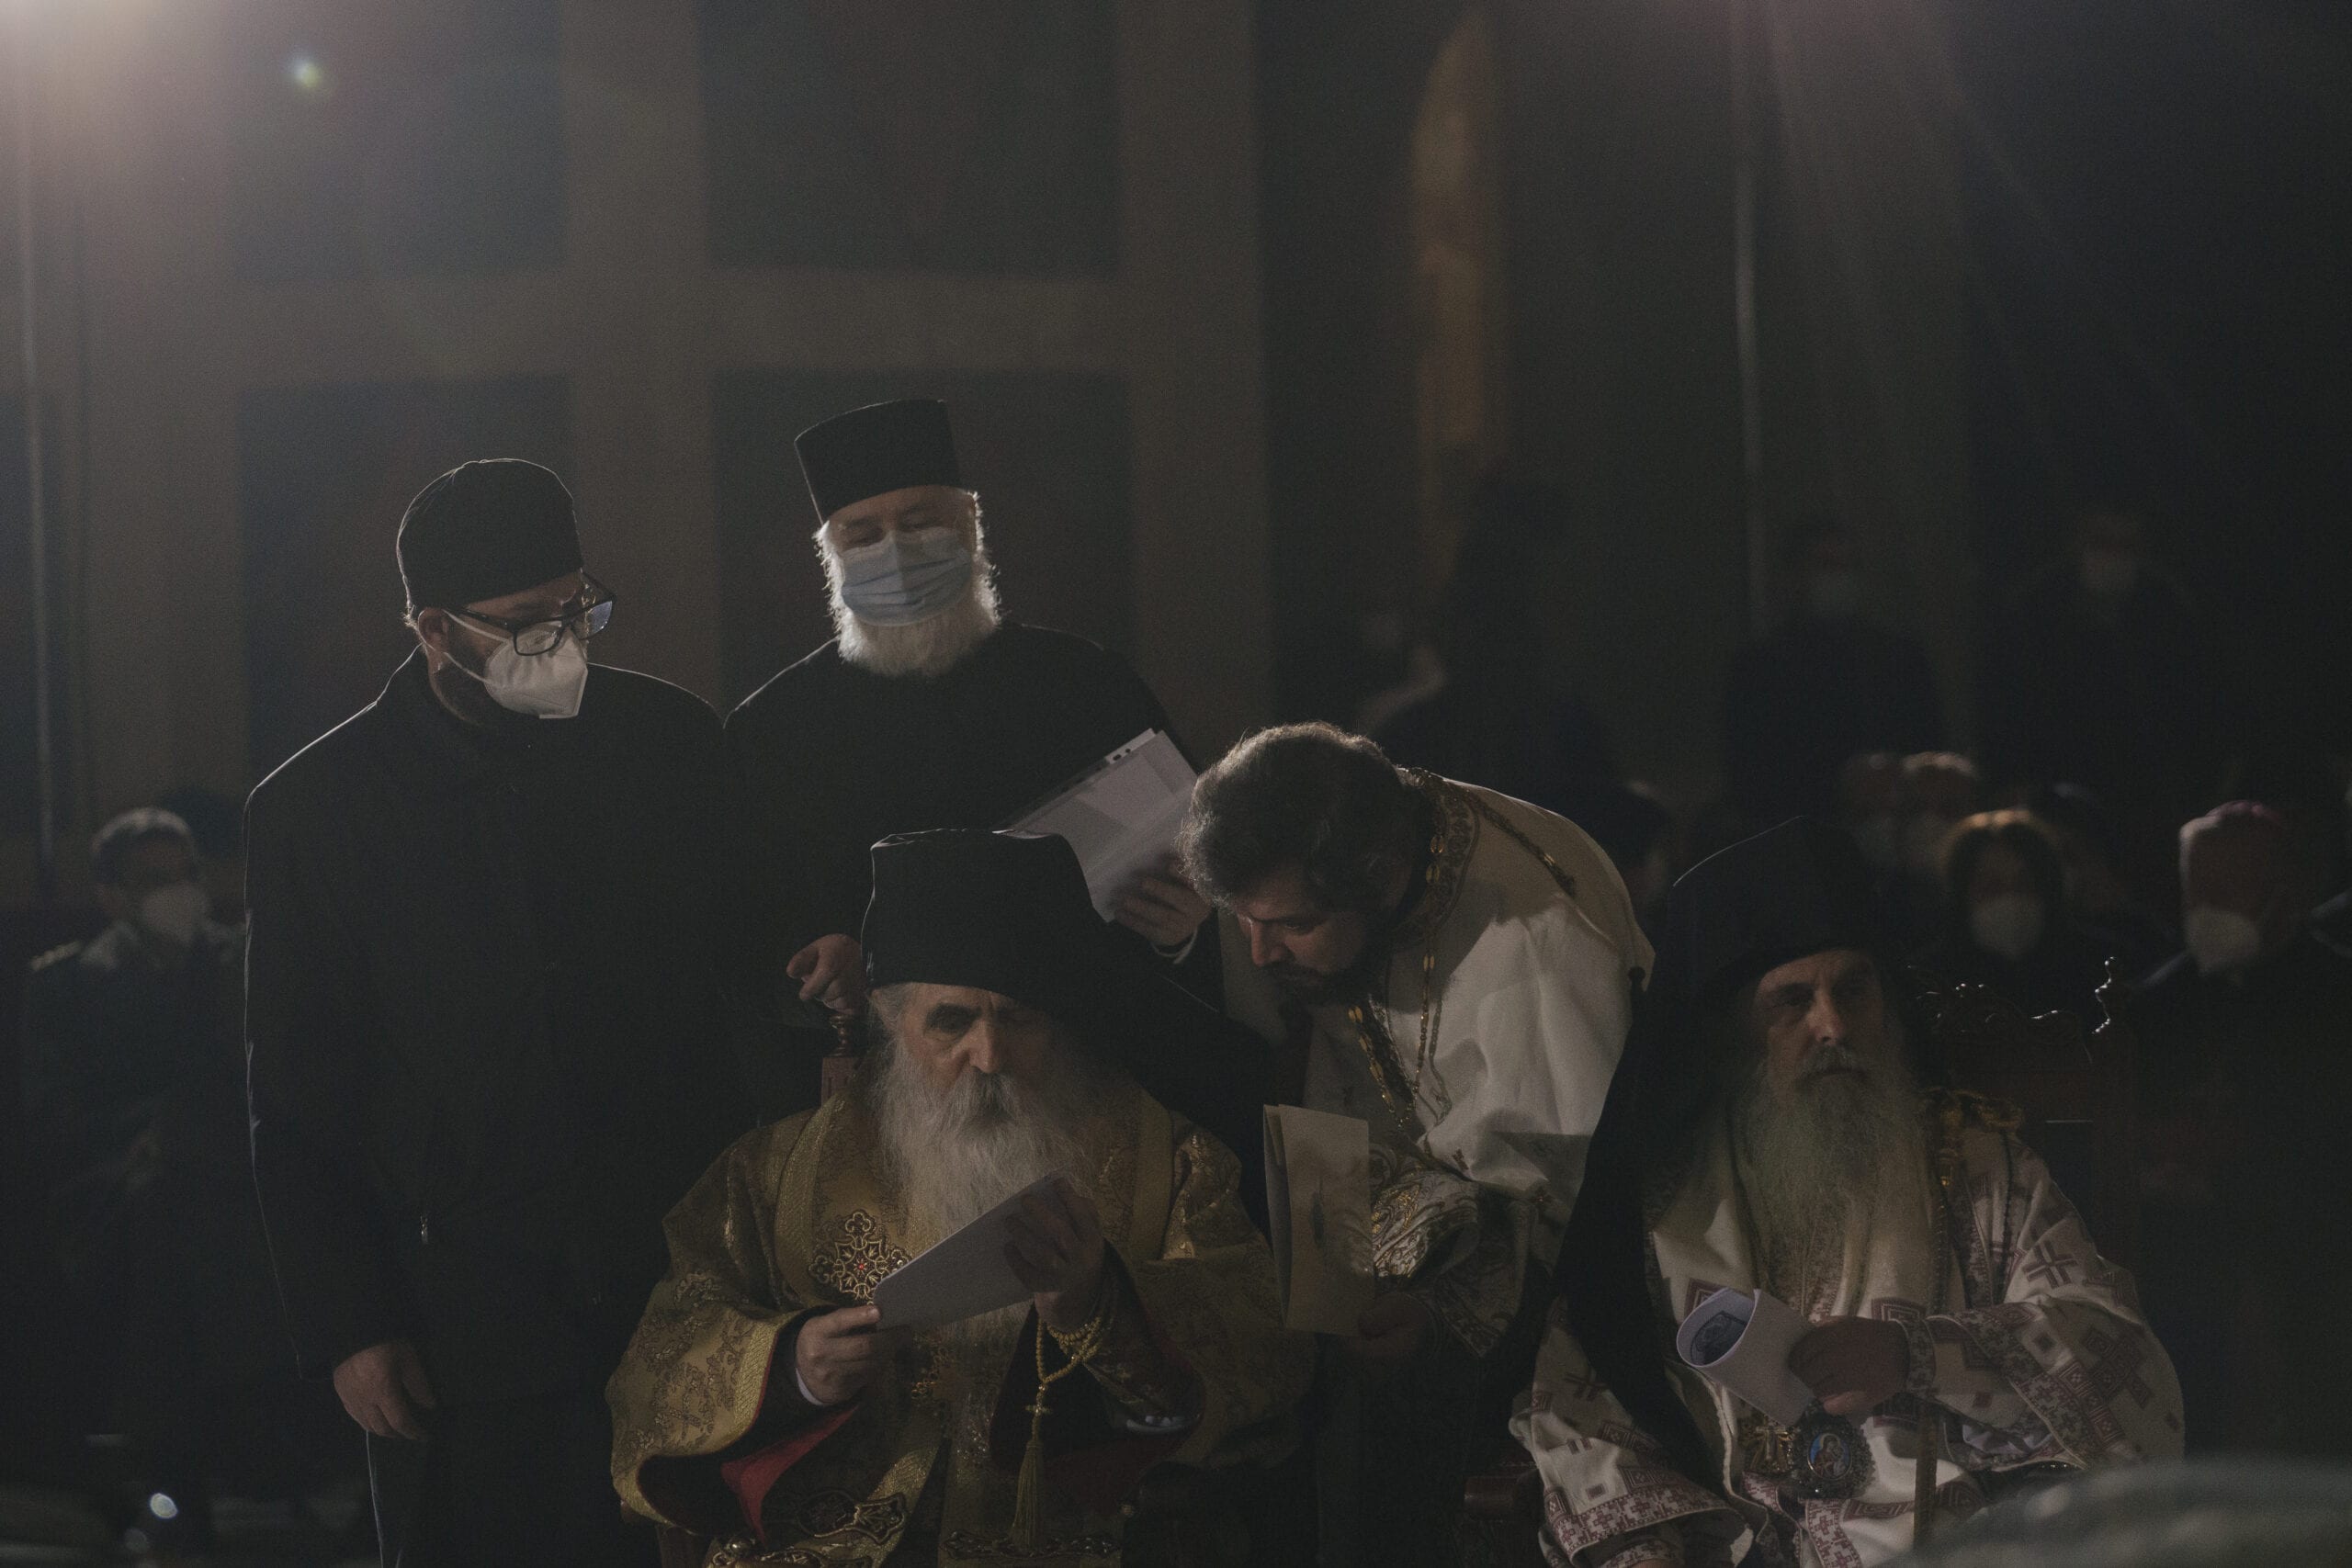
952,1155
1820,1159
927,647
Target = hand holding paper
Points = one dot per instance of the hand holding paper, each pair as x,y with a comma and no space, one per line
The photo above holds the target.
1120,816
1318,1200
1741,1339
963,1275
1054,1246
837,1353
1852,1364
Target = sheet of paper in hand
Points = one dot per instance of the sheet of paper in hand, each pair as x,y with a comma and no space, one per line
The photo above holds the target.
1741,1339
961,1277
1319,1205
1120,816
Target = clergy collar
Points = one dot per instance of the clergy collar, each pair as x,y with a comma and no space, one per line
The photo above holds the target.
1444,858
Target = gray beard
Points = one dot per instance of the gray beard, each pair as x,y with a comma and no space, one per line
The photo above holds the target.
927,647
1820,1158
952,1155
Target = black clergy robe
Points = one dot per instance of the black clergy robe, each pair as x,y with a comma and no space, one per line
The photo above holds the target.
832,758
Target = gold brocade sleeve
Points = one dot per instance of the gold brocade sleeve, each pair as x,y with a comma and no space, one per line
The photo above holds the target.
1211,1291
696,1369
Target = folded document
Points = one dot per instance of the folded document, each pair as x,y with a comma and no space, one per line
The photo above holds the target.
1741,1339
1121,815
961,1277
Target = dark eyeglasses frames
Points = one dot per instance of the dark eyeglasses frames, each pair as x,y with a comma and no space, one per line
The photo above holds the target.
534,637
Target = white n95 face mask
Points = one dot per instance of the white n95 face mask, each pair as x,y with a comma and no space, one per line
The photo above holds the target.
543,685
2219,940
175,912
2008,923
904,579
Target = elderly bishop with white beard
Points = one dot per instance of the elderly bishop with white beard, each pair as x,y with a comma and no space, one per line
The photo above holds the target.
930,708
763,1402
1774,1127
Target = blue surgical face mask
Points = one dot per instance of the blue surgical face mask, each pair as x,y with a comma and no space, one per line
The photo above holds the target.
905,578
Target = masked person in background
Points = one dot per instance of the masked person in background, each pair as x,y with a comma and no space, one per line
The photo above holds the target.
2244,1038
135,1122
1828,681
2100,670
2007,924
488,1039
930,708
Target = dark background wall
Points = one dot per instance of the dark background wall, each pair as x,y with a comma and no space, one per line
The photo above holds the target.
2159,217
2007,257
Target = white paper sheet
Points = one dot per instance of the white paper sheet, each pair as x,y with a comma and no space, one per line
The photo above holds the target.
1741,1339
1319,1207
1120,816
961,1277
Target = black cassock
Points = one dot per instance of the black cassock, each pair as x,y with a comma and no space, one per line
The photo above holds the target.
831,758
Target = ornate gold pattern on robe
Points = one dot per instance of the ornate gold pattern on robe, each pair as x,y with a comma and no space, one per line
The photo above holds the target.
794,1219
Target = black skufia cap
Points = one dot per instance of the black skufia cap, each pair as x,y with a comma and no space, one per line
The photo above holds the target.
485,529
1010,913
875,449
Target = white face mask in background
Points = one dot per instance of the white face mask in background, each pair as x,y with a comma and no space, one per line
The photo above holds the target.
2010,924
2219,940
544,685
174,912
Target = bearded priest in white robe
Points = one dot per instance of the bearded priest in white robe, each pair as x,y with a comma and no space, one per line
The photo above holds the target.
762,1404
1769,1128
1456,968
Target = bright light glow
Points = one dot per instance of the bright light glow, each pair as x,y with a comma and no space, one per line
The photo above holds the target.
307,75
162,1507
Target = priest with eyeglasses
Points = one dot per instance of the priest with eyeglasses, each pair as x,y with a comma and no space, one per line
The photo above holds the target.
487,1044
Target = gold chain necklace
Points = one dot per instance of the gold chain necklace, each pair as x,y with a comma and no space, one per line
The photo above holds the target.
1375,1039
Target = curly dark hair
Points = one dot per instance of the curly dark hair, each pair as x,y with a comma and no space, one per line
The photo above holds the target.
1306,795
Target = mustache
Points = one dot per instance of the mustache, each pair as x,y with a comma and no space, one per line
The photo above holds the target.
1827,1059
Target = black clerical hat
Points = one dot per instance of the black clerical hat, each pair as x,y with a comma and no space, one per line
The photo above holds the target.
1010,913
875,449
1800,889
1002,912
486,529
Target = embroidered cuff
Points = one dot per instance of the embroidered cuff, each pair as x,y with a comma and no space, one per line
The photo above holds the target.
1663,1544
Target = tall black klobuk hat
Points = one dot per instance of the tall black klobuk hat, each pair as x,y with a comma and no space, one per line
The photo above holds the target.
1010,913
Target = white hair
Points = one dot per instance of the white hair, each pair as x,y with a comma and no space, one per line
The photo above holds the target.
930,647
954,1154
